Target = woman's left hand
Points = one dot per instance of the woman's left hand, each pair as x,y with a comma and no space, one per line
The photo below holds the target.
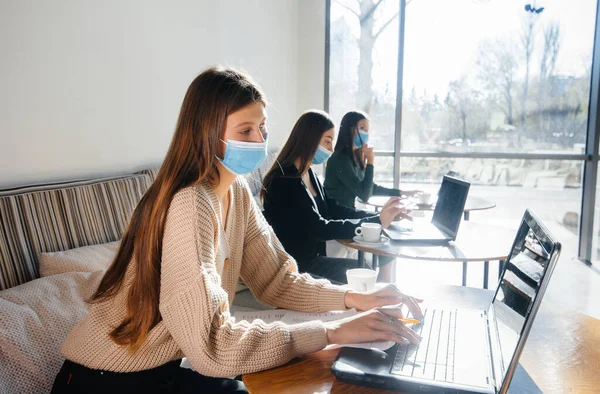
388,295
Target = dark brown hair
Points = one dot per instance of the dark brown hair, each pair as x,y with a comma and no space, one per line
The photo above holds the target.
348,129
210,98
302,143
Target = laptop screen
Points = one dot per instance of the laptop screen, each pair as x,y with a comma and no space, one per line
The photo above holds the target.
532,256
450,204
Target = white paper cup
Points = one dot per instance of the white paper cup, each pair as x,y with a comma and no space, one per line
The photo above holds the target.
361,279
370,232
424,198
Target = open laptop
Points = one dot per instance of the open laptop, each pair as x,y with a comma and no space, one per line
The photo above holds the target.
445,221
466,350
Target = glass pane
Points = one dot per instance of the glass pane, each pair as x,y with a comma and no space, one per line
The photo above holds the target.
501,78
596,236
364,64
551,188
384,175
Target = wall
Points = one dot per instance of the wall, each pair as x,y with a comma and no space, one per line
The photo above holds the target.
311,50
94,88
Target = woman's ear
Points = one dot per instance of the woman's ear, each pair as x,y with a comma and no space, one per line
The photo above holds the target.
221,146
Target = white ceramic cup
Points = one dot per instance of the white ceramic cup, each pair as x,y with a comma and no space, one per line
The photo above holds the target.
370,232
424,198
361,279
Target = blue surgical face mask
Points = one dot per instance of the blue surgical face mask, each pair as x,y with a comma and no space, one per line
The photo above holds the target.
243,157
362,137
321,155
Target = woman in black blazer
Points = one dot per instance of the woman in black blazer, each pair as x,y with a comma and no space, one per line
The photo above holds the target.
301,213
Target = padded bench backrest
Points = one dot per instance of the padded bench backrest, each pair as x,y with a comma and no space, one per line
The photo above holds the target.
58,217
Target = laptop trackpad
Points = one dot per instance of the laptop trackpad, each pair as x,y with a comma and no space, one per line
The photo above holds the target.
360,361
471,362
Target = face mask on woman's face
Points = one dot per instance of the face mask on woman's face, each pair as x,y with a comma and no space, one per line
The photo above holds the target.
362,137
243,157
321,155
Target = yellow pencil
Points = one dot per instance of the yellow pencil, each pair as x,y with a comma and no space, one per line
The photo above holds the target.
409,321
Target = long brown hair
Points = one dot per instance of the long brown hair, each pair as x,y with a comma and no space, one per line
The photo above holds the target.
302,143
211,97
348,129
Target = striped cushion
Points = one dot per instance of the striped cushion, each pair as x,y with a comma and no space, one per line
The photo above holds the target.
151,172
34,221
255,178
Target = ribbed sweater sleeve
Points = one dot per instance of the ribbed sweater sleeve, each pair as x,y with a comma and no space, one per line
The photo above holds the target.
272,275
364,189
195,308
385,191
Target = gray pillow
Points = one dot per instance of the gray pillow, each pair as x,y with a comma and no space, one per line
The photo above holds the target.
36,318
85,259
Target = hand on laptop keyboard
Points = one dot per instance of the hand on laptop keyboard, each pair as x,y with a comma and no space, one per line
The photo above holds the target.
388,295
393,209
434,358
380,324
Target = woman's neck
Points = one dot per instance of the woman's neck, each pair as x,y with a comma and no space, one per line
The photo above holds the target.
297,164
226,179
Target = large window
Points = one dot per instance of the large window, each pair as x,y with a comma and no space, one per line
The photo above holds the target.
497,91
500,78
364,64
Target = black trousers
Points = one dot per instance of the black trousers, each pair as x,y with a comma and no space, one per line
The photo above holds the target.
166,379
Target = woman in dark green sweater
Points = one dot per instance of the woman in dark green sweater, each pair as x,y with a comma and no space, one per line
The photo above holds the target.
350,169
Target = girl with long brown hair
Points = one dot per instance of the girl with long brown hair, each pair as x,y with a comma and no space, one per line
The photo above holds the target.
196,231
302,213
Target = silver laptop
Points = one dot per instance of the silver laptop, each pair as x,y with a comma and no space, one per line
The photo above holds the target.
445,221
463,350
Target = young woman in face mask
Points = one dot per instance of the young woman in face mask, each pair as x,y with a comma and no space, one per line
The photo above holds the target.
196,231
302,213
351,168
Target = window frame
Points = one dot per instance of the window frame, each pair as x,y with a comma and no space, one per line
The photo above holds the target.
589,158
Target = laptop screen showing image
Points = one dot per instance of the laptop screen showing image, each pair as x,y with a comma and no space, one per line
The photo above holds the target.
520,284
450,204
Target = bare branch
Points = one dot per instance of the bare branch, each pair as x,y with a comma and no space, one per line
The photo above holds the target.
370,12
348,8
386,25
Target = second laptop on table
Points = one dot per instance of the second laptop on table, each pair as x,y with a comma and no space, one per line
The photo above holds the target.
446,217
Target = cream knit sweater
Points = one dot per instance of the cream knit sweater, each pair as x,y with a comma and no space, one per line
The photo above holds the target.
196,292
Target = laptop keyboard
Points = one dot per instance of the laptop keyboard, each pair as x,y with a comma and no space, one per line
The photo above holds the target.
433,358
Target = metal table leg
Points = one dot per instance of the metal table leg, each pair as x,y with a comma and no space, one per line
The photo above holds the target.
361,259
464,275
500,268
486,271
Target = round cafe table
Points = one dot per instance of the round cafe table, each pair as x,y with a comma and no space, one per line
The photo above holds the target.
475,242
473,203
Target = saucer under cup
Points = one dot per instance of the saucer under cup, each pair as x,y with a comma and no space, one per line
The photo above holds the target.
382,240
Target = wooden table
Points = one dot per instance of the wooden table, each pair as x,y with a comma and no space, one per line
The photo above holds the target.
474,242
473,203
561,355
